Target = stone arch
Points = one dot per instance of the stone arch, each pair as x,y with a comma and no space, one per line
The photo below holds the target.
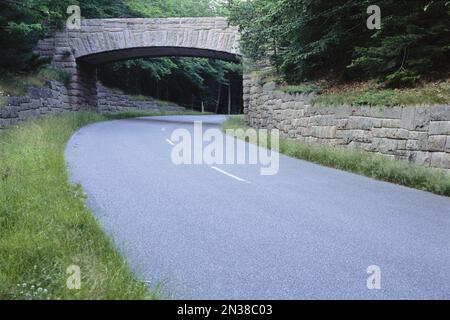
98,41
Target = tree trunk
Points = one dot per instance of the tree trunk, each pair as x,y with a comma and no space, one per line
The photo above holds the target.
229,97
218,98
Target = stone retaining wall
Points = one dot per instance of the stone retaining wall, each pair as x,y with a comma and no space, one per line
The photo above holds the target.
109,101
55,99
37,101
418,134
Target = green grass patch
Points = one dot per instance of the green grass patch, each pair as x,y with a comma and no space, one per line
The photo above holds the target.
49,73
305,88
266,75
44,224
435,93
365,163
139,97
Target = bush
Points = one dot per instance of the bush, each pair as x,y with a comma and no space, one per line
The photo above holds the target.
306,88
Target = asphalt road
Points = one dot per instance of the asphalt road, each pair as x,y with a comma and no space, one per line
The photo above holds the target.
308,232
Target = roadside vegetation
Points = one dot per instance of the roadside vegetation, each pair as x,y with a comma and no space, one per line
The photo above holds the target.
45,226
16,84
327,93
368,94
325,48
311,40
365,163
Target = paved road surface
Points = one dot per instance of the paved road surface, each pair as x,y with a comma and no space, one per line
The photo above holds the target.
308,232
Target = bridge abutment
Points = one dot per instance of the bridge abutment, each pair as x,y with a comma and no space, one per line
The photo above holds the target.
84,91
81,77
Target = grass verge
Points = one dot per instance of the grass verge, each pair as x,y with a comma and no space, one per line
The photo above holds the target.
44,224
365,163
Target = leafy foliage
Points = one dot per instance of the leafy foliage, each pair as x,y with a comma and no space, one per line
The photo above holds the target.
187,81
304,88
177,8
106,9
22,23
309,39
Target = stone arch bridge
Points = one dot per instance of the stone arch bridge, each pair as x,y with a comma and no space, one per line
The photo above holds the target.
98,41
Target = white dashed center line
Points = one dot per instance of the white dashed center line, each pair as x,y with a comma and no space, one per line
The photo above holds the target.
229,174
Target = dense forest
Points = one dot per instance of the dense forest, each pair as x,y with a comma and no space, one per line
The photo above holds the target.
187,81
313,39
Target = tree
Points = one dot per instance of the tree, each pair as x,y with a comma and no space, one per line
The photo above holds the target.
310,39
412,44
22,24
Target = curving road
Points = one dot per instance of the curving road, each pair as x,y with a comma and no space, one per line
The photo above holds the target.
229,233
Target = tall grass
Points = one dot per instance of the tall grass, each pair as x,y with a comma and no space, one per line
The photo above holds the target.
365,163
44,224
